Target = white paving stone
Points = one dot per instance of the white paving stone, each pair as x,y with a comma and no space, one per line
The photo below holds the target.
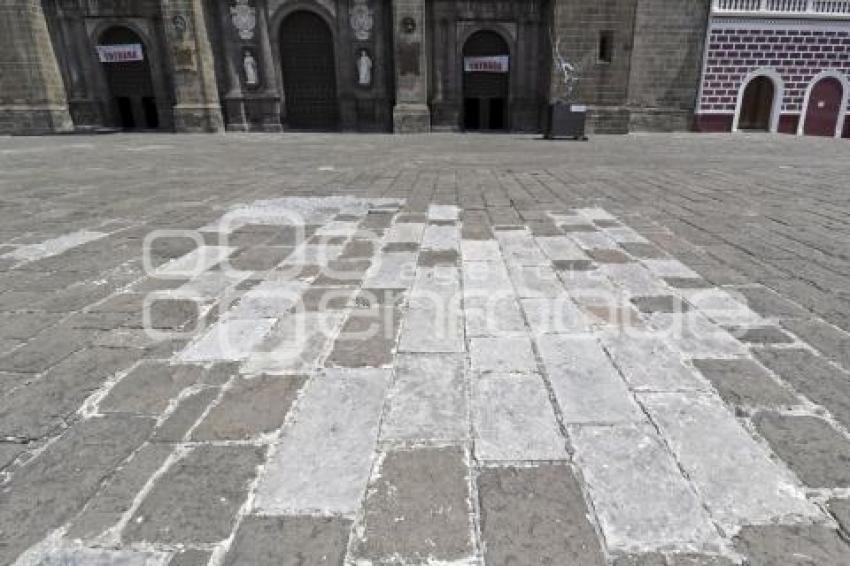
625,235
480,250
593,240
536,281
502,355
643,502
323,458
391,271
53,247
734,475
560,248
73,555
554,315
313,254
648,363
338,228
269,299
514,420
695,336
519,248
446,212
212,284
585,381
195,262
427,401
295,345
492,314
405,232
670,268
441,238
231,339
433,322
485,277
635,279
722,307
595,213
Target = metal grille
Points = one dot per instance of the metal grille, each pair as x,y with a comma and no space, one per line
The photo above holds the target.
309,72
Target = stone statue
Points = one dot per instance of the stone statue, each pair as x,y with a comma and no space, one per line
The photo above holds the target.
364,68
252,77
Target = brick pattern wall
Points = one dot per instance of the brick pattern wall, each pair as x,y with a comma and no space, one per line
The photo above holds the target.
796,54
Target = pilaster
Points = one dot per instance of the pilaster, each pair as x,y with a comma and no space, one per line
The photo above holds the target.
411,113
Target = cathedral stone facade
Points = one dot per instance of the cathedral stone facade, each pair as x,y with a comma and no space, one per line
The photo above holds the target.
346,65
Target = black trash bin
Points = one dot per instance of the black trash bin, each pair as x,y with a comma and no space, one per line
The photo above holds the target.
566,120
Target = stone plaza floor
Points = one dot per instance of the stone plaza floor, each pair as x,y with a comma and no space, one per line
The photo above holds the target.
439,350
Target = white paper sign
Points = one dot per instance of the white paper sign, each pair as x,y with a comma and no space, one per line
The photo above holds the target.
120,53
491,64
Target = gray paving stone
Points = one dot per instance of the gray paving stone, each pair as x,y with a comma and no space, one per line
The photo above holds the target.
662,303
536,515
184,417
812,376
106,508
196,500
687,283
190,557
47,403
367,339
250,407
289,541
816,452
417,509
792,546
81,556
21,326
55,485
840,509
834,343
769,303
9,451
608,256
744,382
149,388
761,335
642,250
45,350
446,258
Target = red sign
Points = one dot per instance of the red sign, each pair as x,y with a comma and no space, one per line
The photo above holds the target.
120,53
490,64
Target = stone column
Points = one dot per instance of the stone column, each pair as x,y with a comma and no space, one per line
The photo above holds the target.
411,113
196,104
32,94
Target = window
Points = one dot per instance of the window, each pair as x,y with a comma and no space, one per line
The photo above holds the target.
606,46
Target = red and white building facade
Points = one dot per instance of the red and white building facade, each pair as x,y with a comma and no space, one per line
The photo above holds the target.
778,66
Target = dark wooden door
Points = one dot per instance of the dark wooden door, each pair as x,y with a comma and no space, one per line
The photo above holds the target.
757,105
824,108
134,104
309,73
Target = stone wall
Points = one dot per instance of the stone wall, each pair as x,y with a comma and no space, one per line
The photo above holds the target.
32,95
669,41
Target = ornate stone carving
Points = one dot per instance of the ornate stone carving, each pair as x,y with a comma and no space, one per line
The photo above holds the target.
364,69
244,18
362,20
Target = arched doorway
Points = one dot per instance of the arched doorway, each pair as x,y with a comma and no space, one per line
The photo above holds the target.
824,108
757,105
126,65
486,82
309,72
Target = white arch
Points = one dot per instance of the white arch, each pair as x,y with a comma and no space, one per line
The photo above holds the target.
845,98
778,96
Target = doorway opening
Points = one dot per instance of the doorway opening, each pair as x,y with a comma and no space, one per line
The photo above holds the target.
128,77
757,105
309,72
486,82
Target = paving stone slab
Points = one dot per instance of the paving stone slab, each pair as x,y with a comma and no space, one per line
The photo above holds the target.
586,384
812,448
367,339
745,383
63,477
833,342
802,545
840,509
417,510
427,401
502,355
513,420
81,556
640,496
536,515
812,376
149,387
342,408
197,498
554,315
185,416
250,407
648,363
735,475
289,541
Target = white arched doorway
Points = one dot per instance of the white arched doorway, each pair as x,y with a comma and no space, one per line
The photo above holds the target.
829,93
759,104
